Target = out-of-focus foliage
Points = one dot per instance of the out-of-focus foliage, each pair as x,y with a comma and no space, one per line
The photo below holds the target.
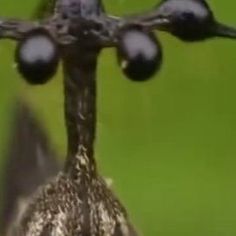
169,144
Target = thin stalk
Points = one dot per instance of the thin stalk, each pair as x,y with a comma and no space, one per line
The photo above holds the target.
80,111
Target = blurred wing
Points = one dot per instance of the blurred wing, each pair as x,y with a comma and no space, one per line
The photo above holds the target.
30,162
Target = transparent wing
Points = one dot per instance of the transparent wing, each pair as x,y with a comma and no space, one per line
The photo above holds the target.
30,162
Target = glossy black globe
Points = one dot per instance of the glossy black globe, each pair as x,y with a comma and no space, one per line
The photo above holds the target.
139,54
37,56
191,20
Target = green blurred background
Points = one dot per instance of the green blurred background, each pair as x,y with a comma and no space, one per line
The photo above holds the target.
168,144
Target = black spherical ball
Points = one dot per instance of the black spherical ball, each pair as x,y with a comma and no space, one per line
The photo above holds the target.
37,56
189,20
139,53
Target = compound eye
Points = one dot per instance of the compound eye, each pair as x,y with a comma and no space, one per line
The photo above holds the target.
37,56
188,16
139,54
